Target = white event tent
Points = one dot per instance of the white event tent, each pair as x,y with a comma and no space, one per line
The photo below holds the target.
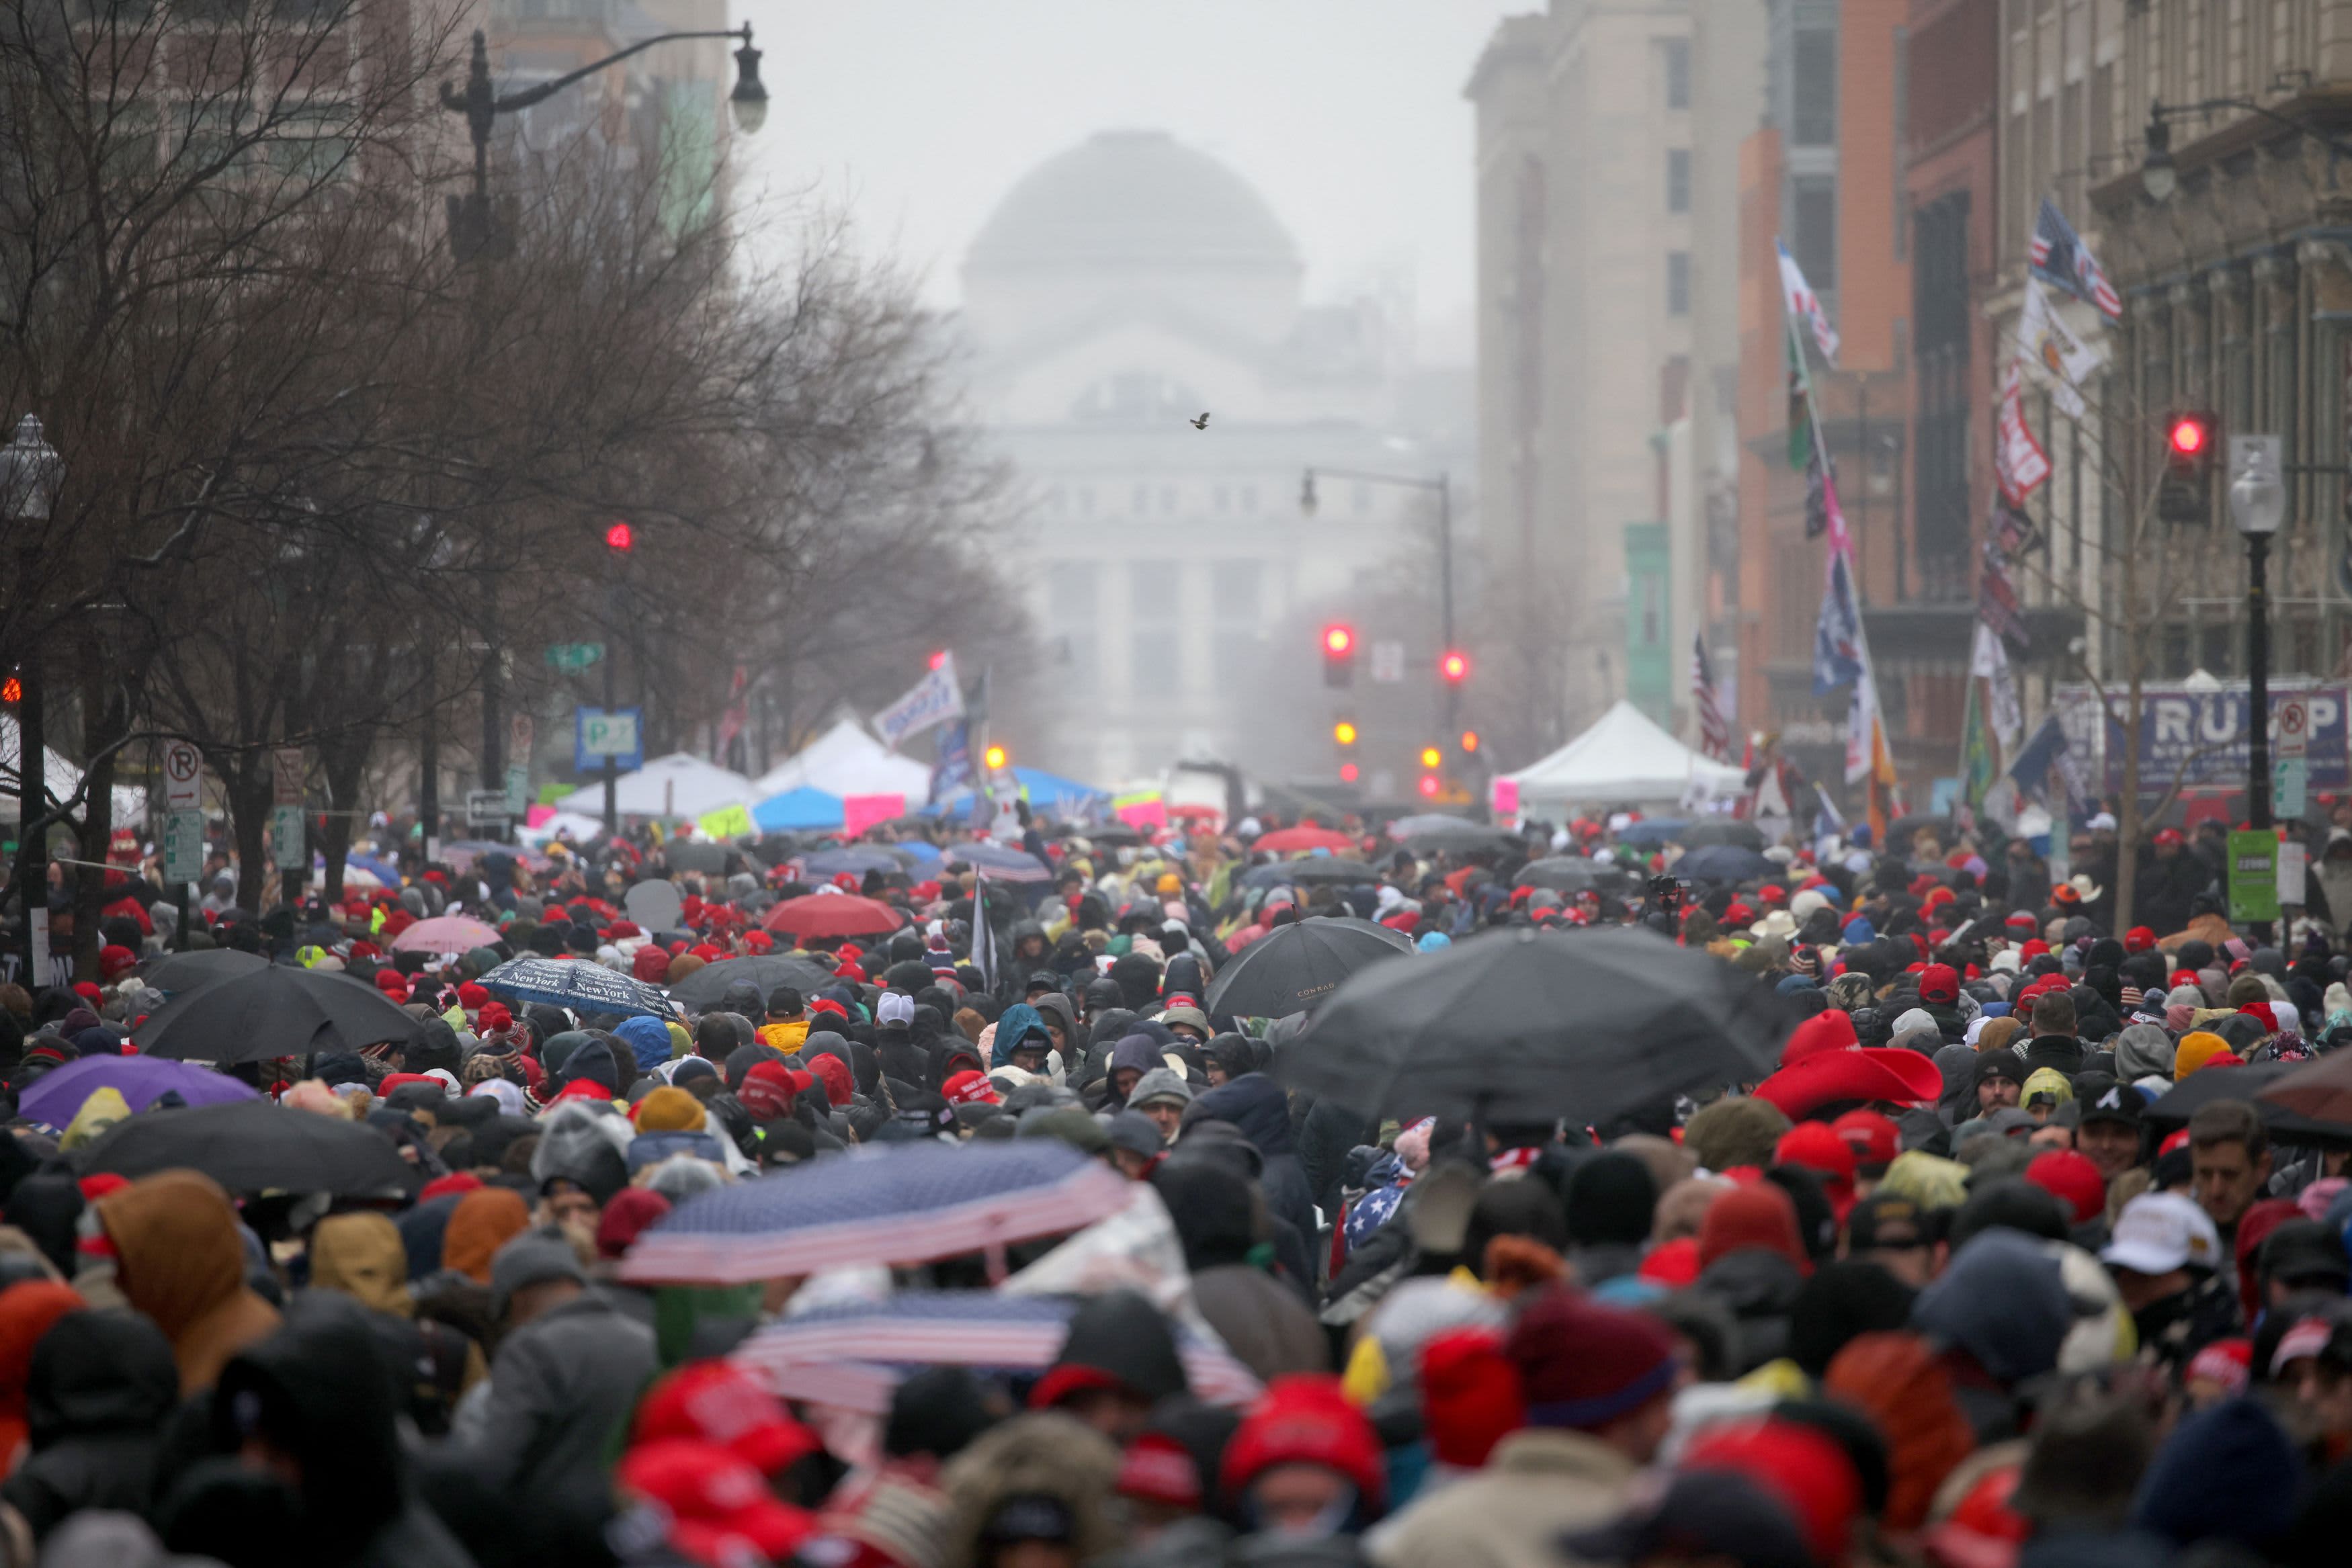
1624,758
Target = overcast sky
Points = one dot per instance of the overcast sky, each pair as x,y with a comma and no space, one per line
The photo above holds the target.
917,115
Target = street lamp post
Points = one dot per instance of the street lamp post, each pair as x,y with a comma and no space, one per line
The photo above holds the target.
2257,505
2159,176
30,472
1442,485
472,231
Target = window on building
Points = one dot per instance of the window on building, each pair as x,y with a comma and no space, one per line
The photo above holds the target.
1813,114
1678,179
1676,55
1236,616
1813,198
1677,283
1156,645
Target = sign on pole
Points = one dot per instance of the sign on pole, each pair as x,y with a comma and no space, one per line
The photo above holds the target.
1388,662
517,790
184,847
2293,868
600,733
2291,786
184,775
2254,874
286,846
285,772
574,655
2293,725
485,808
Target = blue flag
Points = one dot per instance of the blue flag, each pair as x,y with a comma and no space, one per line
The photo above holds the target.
1837,634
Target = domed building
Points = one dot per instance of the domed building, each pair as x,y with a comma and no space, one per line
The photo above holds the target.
1118,290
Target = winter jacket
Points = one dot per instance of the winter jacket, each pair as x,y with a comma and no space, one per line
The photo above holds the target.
559,1387
1261,1320
1254,1104
1326,1133
101,1386
1540,1484
179,1258
1759,1286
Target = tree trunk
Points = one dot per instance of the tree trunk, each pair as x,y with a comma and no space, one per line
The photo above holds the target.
344,766
247,790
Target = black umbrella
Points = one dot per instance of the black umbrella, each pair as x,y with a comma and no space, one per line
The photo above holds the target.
1309,871
2174,1106
1569,874
1298,966
1527,1025
1725,863
186,971
687,855
254,1146
1458,838
1723,831
279,1010
705,988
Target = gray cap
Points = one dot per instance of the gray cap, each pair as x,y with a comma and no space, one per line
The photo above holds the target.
532,1258
1134,1131
1160,1083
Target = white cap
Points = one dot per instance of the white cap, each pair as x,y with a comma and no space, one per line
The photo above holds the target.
2102,822
896,1006
2160,1231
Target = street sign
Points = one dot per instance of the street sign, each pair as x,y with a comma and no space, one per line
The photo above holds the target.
1388,662
184,847
574,656
286,772
600,733
184,775
2291,786
2293,868
517,789
2294,725
286,846
2254,874
485,808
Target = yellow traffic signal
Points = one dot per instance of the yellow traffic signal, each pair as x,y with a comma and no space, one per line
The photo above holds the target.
997,759
1344,732
1431,757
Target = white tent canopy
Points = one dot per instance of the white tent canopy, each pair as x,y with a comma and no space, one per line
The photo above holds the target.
1624,756
678,785
62,778
845,761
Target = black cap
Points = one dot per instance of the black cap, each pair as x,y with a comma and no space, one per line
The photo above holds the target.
1888,1219
2305,1252
2117,1102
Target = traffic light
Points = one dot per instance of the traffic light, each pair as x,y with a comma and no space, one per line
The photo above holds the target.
619,538
1344,732
1429,786
1454,667
939,657
996,758
1347,773
1432,757
1469,742
1338,654
12,690
2192,438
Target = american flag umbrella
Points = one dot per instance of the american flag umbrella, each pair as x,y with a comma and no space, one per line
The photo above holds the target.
577,984
883,1204
824,915
853,1354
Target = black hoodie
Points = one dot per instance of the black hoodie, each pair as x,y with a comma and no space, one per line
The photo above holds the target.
1254,1104
96,1397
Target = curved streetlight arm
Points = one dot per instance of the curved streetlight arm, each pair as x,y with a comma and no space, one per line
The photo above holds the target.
2159,113
547,89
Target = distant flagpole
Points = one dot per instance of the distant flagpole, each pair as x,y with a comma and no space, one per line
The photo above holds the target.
984,937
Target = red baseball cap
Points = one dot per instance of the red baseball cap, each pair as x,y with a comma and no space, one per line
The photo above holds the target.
719,1401
968,1088
718,1504
1874,1140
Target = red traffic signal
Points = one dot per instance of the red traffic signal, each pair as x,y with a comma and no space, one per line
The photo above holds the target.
1453,664
12,691
2191,444
619,538
939,657
1429,785
1340,641
1338,654
2191,435
1347,773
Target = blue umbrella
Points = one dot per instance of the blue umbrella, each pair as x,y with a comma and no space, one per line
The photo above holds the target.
855,859
996,861
853,1354
577,984
1652,831
884,1205
1725,863
806,806
1062,797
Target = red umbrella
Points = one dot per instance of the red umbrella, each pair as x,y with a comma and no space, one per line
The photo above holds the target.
1306,836
833,914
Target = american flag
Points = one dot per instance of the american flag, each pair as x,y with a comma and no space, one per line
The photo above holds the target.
2059,257
1714,731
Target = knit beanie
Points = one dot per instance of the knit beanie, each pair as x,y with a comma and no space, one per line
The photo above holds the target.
1469,1395
1758,1214
2197,1048
1736,1129
1583,1365
669,1110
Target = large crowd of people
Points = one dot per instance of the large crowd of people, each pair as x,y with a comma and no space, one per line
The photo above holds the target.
2014,1253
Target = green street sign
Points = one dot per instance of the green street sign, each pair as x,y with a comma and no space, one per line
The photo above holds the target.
574,655
2254,875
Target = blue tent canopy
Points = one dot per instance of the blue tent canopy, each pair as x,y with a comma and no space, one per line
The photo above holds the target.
795,809
1050,792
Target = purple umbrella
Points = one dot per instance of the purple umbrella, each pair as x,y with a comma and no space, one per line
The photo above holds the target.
139,1080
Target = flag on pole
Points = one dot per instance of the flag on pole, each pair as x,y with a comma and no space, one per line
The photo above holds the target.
2053,352
2058,257
983,935
1714,732
2020,465
1979,764
1989,661
934,699
1800,402
1804,305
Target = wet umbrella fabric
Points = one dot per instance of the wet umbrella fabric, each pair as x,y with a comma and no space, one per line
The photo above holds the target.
2253,1084
252,1145
139,1080
1724,862
446,933
1529,1025
577,984
1307,836
855,860
186,971
1311,870
1566,873
1296,967
825,914
2321,1090
279,1010
1723,831
1000,863
894,1206
1652,831
707,985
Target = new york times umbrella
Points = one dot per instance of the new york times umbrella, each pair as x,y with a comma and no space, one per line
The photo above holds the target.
1296,967
577,984
178,972
887,1205
707,985
1527,1025
252,1145
853,1354
279,1010
140,1081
